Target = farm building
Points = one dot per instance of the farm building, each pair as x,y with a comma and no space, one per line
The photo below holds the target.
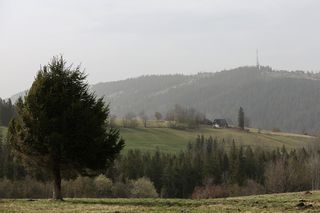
220,123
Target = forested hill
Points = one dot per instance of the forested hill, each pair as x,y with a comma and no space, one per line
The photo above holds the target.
289,101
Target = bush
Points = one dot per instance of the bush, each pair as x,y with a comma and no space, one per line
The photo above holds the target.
27,188
252,188
103,186
143,188
209,191
80,187
120,189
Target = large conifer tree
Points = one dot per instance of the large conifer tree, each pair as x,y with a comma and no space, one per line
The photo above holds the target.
61,126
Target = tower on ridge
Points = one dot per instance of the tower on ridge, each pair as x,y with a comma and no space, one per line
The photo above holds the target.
258,64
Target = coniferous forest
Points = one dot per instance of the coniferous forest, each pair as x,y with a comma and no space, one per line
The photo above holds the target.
207,168
7,111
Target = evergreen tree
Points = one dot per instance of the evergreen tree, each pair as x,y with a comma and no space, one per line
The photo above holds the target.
241,118
7,112
234,163
61,126
158,115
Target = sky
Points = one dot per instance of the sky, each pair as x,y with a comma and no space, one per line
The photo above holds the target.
119,39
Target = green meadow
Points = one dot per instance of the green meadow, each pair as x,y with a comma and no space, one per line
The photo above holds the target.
174,140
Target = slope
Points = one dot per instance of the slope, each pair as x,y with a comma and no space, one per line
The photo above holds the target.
172,140
271,99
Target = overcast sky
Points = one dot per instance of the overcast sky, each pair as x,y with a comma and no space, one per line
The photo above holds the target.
118,39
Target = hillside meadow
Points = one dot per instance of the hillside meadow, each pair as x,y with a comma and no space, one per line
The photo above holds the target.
286,202
173,140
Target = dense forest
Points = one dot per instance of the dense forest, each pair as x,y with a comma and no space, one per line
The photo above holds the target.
7,111
208,167
289,101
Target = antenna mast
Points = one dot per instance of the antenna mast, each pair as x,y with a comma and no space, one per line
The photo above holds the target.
258,64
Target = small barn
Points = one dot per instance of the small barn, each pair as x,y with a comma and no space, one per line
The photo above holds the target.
220,123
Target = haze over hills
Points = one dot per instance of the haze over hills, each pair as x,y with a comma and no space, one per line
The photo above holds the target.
271,99
289,101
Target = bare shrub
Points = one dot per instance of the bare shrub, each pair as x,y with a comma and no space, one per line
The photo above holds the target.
143,188
252,188
103,186
209,191
276,177
80,187
120,189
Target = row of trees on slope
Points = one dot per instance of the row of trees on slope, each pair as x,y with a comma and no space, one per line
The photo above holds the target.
209,163
207,168
7,112
177,117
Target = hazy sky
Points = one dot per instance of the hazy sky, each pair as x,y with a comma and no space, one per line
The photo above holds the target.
117,39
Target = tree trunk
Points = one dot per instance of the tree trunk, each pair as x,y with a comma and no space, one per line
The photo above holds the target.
57,183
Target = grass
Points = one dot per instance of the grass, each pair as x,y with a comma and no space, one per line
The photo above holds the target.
173,140
262,203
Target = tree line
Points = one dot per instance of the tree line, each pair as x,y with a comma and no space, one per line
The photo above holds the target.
7,112
177,117
209,163
207,168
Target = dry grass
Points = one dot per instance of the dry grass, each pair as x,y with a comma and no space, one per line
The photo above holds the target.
263,203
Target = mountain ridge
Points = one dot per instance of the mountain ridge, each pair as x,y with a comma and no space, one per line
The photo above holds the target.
286,100
271,99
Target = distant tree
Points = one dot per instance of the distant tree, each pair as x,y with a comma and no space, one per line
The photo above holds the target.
234,163
144,118
183,116
276,129
2,153
276,177
113,119
103,186
7,112
62,127
129,120
241,118
246,121
143,188
314,169
158,115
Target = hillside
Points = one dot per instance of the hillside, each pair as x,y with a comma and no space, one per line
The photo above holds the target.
257,203
289,101
171,140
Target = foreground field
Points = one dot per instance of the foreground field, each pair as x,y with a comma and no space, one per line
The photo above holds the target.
172,140
262,203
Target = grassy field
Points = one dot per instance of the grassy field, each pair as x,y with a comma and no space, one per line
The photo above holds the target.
262,203
172,140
